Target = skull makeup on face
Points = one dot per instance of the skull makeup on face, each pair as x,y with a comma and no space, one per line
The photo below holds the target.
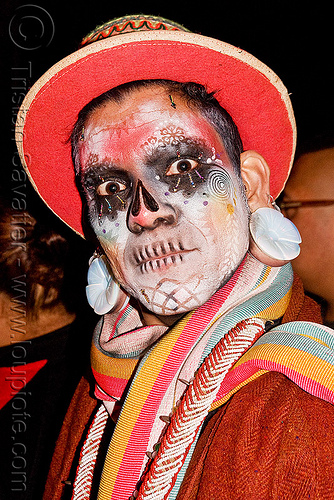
164,199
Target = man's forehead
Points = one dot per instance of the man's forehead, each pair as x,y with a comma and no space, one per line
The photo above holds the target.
153,130
142,101
160,151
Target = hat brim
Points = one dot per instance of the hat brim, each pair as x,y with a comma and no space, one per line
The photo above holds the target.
253,95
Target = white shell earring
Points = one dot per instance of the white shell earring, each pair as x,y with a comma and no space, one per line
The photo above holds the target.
275,235
103,291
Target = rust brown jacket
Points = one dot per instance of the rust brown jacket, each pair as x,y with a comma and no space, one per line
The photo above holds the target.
272,440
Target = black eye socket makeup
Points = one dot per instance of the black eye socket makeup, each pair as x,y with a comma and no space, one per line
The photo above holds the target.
107,188
183,164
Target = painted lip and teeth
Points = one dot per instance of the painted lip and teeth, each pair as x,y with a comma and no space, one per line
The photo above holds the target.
159,255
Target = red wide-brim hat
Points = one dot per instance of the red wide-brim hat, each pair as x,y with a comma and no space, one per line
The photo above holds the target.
138,48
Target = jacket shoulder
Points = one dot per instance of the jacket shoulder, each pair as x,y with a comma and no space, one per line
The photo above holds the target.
272,440
301,307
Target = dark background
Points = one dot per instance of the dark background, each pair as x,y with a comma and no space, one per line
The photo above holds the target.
294,38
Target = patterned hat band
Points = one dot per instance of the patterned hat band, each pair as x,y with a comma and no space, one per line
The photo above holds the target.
131,24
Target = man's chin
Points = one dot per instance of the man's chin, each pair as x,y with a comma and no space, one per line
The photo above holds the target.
167,296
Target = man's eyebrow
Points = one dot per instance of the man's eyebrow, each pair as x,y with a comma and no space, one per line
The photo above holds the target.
99,171
179,147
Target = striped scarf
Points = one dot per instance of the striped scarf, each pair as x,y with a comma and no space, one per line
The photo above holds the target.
169,379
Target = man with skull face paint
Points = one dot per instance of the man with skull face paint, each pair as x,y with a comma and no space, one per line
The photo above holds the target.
214,380
163,198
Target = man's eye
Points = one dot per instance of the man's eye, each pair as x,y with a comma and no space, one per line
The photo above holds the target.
110,187
182,166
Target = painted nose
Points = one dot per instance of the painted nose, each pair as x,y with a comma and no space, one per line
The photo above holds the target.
146,214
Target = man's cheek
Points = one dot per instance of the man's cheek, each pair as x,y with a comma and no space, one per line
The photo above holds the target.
220,215
115,255
112,238
106,226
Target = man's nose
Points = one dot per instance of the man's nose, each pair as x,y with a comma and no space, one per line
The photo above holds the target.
145,213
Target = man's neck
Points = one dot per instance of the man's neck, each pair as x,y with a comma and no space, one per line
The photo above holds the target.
155,319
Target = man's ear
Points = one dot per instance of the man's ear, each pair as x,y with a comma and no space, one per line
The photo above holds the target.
255,174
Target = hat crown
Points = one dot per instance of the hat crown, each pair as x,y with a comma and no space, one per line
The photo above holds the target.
131,24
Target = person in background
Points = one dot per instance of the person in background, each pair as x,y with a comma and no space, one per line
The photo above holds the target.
43,351
308,201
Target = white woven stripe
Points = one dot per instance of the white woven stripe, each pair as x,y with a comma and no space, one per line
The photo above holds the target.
85,471
194,408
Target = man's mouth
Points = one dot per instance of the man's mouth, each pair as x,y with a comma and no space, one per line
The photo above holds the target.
159,256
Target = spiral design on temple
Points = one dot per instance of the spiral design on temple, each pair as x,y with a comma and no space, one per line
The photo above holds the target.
220,185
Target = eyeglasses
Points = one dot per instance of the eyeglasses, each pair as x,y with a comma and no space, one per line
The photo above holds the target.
289,208
284,205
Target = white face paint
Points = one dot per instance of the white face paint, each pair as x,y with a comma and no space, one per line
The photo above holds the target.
164,200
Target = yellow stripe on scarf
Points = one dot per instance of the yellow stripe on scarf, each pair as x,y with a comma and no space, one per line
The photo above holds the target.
142,386
114,367
277,309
